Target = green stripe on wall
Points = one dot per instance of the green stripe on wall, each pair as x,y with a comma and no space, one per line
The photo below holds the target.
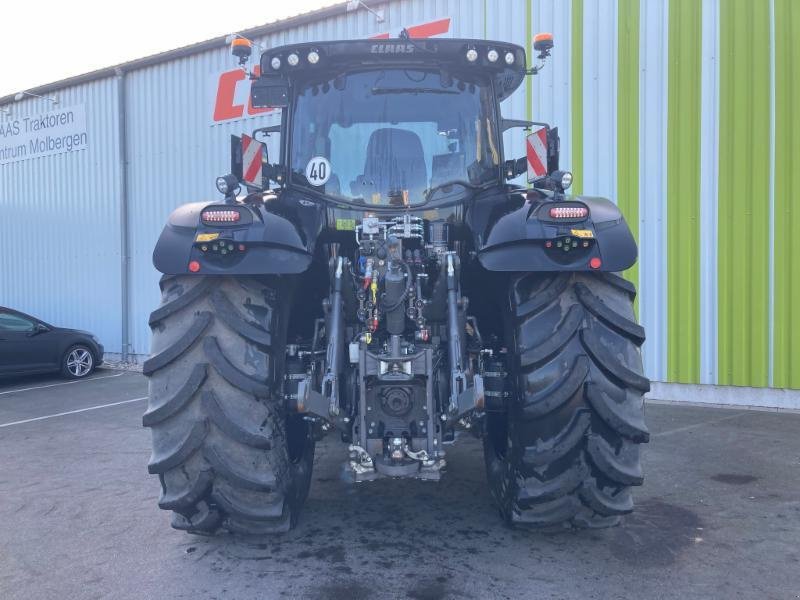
577,97
786,366
744,174
628,119
683,191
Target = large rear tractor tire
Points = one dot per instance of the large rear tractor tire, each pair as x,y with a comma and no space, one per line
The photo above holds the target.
567,451
226,451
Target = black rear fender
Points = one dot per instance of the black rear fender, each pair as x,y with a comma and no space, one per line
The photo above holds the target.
515,232
266,240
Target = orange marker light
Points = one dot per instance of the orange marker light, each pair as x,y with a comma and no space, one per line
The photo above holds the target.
543,43
194,266
241,48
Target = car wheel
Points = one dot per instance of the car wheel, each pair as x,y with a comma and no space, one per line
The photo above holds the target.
78,362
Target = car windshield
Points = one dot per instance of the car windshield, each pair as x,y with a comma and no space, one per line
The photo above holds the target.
392,137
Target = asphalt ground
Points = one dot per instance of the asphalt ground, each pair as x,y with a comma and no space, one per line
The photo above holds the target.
718,517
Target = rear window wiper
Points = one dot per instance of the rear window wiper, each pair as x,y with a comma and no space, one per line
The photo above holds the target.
378,91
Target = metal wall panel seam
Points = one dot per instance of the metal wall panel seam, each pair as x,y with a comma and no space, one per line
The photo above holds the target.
709,163
744,194
771,297
787,191
124,222
576,97
628,121
683,191
653,90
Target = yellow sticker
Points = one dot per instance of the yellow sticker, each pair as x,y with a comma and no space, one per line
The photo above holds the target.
583,233
346,224
206,237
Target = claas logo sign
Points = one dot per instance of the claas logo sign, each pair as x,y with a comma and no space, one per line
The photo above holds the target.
232,88
233,97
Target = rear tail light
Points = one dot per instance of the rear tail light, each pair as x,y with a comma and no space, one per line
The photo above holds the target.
221,216
569,212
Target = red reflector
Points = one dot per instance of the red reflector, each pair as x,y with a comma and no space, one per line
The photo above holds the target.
221,216
194,266
241,248
595,263
548,244
568,212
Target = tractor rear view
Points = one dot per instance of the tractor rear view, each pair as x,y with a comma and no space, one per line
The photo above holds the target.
381,281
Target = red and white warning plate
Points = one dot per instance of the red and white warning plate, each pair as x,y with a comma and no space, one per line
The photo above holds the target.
536,150
252,158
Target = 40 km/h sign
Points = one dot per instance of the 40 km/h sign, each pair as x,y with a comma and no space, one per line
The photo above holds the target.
318,171
55,132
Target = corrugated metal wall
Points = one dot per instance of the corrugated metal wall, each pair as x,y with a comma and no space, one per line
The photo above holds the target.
60,222
682,112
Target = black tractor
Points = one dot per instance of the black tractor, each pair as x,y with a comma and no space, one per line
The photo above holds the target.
384,282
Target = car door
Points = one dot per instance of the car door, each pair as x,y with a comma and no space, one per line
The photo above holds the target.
24,345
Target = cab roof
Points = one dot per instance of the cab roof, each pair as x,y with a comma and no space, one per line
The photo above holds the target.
453,55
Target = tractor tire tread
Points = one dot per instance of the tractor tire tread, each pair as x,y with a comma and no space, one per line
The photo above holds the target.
181,452
180,346
175,403
556,395
225,310
597,307
220,418
565,330
230,373
180,302
576,416
219,438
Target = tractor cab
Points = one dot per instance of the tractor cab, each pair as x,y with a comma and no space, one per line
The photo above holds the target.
394,123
